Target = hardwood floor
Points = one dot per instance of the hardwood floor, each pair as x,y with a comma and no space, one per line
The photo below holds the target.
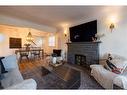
26,65
33,69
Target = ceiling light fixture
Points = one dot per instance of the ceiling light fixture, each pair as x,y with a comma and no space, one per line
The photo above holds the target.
30,38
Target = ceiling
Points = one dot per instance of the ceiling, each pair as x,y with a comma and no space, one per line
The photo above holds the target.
53,16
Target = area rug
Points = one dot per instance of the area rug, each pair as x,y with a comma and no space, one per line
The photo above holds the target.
46,82
87,81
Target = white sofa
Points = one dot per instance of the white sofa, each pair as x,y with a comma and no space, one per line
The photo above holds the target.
13,78
107,78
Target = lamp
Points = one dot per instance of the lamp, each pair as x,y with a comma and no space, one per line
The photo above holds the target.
112,26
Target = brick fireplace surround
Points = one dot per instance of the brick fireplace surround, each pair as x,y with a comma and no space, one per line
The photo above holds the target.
88,49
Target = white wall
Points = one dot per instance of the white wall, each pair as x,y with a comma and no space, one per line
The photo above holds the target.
113,42
62,42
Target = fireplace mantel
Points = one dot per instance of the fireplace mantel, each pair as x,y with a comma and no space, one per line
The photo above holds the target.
88,49
84,42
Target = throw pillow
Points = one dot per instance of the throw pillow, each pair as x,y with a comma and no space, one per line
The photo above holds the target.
2,66
116,71
120,64
112,67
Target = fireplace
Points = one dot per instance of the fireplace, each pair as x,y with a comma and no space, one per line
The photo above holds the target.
83,53
80,59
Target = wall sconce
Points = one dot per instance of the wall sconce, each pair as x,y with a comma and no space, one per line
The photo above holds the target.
112,26
65,35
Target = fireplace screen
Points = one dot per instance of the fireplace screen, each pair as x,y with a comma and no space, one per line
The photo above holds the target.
80,59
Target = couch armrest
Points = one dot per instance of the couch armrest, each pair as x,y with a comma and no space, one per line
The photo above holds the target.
26,84
12,77
103,76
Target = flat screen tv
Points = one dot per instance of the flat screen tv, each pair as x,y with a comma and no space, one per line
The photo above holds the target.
57,52
15,42
83,32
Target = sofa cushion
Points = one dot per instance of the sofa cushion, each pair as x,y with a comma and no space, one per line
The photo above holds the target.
118,61
116,66
120,64
110,65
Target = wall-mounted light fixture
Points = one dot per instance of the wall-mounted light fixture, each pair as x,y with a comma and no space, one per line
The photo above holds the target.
65,34
112,26
65,29
112,21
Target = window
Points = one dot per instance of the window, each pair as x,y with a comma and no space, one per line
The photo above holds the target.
38,40
52,41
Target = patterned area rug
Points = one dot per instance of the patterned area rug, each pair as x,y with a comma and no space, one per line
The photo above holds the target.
45,82
87,81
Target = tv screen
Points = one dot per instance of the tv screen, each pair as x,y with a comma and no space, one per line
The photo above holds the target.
15,42
57,52
83,32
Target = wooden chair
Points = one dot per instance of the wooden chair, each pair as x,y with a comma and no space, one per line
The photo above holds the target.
36,53
24,54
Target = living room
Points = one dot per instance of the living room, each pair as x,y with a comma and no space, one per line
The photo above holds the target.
52,24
